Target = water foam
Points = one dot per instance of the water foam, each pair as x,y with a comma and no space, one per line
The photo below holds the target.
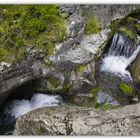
118,64
18,108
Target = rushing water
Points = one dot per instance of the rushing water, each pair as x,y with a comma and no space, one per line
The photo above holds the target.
113,70
121,53
16,108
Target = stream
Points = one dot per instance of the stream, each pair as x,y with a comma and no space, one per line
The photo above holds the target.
16,108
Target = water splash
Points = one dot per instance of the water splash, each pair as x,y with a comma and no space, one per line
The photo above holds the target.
17,108
121,53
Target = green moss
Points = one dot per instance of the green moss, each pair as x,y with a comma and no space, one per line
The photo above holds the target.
91,26
130,19
92,103
126,89
54,81
49,63
94,91
137,26
114,26
131,34
39,26
81,68
66,88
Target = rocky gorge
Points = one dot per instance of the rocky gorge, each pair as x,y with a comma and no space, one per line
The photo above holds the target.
92,62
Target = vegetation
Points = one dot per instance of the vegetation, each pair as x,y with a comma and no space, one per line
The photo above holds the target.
66,88
114,26
21,26
81,68
92,26
130,33
105,106
54,81
137,26
126,89
130,19
94,91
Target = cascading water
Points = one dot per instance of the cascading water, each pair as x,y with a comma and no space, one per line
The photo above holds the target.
112,70
16,108
120,54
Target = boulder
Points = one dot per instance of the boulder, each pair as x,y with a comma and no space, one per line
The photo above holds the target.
135,70
73,120
15,76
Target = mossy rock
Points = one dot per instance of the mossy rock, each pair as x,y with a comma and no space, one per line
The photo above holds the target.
66,88
39,26
114,26
93,103
130,19
126,89
81,68
137,26
94,91
130,33
54,81
91,26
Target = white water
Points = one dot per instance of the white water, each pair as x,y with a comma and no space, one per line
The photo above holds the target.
18,108
118,64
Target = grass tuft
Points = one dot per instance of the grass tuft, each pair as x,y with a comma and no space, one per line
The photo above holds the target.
91,26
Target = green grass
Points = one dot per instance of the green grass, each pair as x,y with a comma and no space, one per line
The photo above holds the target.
91,26
126,89
39,26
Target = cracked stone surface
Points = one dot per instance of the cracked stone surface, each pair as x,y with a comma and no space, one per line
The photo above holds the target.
73,120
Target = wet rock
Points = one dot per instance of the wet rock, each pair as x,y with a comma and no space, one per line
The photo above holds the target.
135,69
65,64
17,75
73,120
103,98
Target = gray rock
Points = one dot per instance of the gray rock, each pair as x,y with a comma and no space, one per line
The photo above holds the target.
77,49
73,120
105,13
17,75
135,70
102,98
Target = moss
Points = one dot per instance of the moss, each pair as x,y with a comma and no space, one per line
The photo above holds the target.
114,26
94,91
39,26
130,19
66,88
107,106
91,26
93,103
137,26
49,63
126,89
81,68
131,34
54,81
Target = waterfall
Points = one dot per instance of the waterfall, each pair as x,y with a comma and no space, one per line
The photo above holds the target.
17,108
121,53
